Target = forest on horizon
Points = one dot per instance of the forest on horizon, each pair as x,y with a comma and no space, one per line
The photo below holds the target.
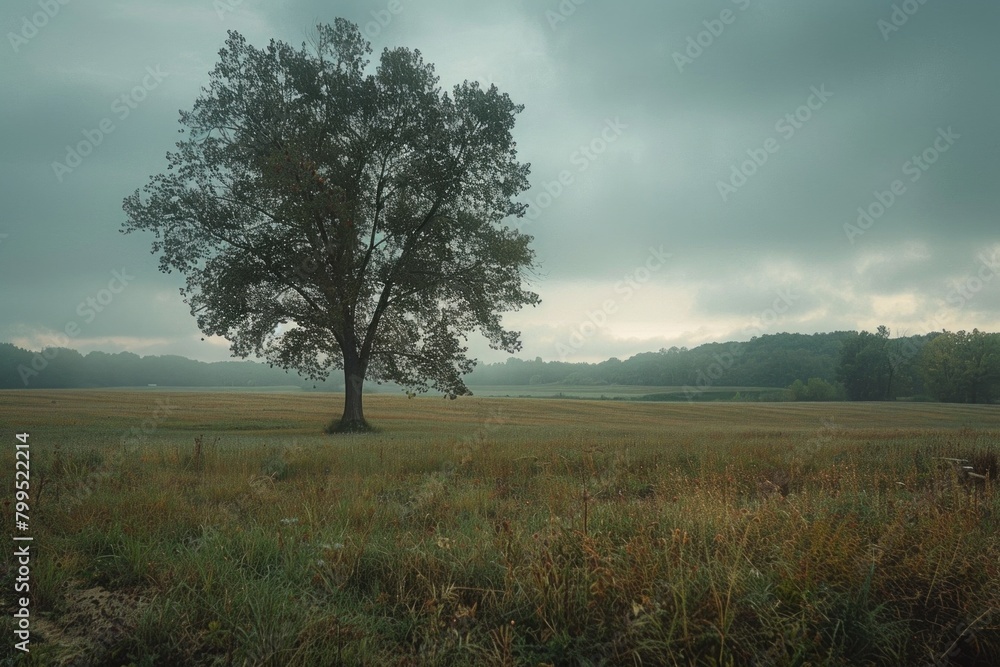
961,367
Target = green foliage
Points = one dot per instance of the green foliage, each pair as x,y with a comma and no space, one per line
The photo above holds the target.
327,216
766,361
950,367
816,389
962,367
875,367
865,368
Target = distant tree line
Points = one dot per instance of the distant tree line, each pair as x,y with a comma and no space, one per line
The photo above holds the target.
65,368
844,365
958,367
766,361
954,367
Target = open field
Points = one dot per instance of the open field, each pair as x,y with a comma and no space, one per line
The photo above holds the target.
215,390
618,391
217,529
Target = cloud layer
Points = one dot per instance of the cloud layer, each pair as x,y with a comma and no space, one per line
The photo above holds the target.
807,167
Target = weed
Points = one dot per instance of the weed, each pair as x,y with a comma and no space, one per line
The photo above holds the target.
567,532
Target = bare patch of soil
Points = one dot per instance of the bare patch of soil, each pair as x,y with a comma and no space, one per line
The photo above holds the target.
93,625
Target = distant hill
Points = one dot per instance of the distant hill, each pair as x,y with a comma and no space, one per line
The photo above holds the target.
767,361
65,368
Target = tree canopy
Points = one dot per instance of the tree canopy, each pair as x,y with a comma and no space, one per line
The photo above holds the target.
329,217
963,367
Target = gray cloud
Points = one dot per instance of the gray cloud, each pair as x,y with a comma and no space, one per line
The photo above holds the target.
682,132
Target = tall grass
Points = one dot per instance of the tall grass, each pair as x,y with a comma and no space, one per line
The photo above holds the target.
508,532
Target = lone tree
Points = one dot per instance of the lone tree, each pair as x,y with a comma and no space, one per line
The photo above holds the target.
325,217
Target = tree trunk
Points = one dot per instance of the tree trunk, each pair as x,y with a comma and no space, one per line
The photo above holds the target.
353,420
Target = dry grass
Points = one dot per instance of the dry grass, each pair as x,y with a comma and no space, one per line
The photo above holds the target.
506,531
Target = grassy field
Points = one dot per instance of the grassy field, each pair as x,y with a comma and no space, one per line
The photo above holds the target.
226,529
620,391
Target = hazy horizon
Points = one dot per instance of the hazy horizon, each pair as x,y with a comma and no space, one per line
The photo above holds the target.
337,375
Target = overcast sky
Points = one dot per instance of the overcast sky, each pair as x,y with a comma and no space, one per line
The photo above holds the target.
697,167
